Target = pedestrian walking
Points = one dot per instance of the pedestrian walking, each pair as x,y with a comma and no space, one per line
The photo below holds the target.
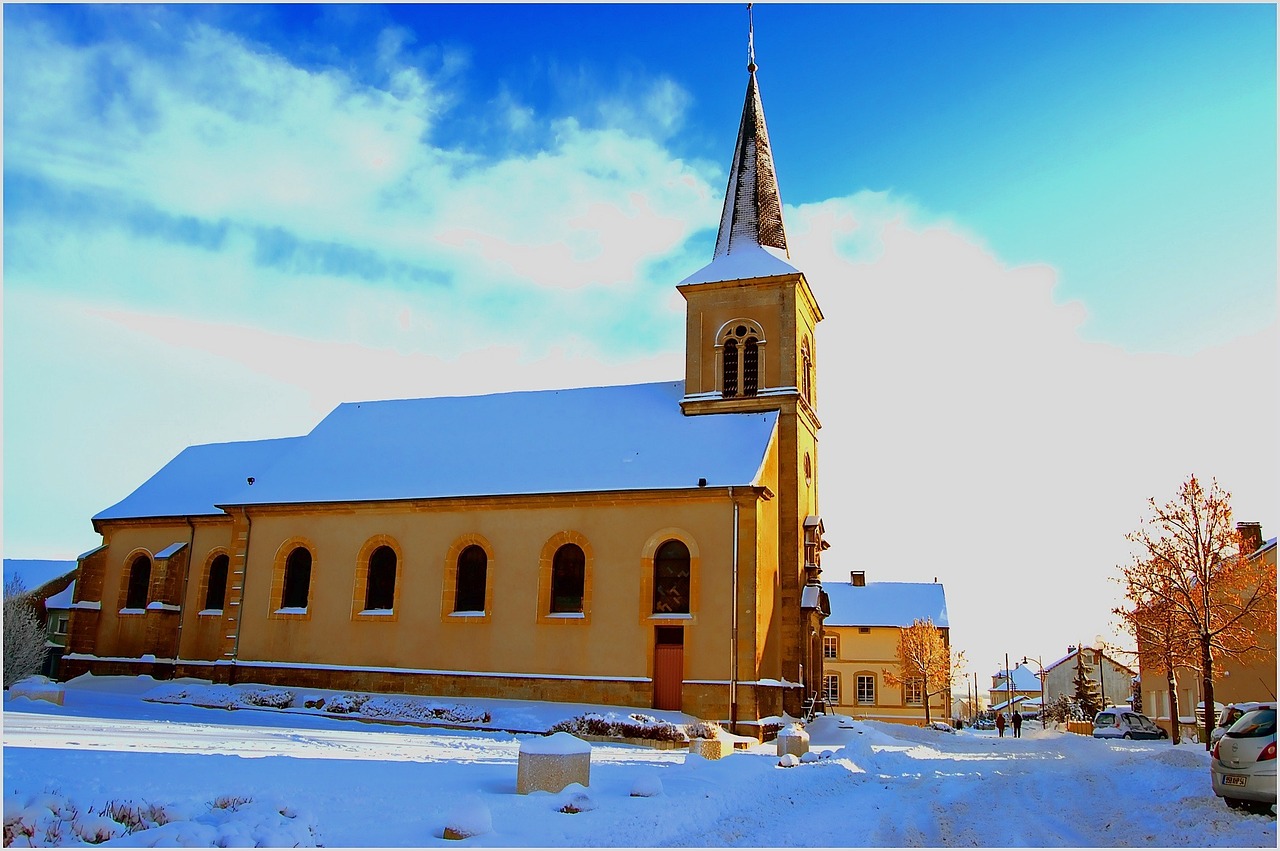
1017,724
1000,723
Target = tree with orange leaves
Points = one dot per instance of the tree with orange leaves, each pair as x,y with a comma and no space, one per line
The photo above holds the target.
925,657
1192,573
1164,642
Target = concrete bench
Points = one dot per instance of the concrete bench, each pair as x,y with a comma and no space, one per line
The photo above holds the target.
550,763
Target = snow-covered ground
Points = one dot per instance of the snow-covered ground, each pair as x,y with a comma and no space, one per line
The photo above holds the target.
278,777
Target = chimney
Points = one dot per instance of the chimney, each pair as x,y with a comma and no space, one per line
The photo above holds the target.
858,578
1250,536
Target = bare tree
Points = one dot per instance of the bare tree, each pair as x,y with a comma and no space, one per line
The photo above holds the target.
1192,561
925,658
24,649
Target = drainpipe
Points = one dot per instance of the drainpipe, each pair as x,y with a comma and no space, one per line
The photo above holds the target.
733,626
182,603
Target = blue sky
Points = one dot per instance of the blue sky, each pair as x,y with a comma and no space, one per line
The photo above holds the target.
1033,229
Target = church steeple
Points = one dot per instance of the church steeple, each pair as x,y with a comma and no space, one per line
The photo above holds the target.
752,214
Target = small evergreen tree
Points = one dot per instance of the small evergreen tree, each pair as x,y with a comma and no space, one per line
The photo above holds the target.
24,649
1086,687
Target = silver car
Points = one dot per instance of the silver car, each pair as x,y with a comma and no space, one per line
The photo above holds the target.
1244,762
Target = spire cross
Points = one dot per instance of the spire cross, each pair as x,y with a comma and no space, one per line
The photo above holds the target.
751,41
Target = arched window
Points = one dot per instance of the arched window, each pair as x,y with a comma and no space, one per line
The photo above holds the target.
297,579
568,579
671,579
215,595
806,372
380,590
730,368
139,583
750,367
473,564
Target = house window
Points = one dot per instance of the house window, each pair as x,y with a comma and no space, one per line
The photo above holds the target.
671,579
473,565
864,630
139,583
866,690
60,628
830,647
380,590
915,692
215,595
831,689
297,579
568,579
730,368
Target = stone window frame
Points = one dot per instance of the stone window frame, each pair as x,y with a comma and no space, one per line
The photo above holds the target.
648,554
863,678
545,561
202,595
449,591
752,332
806,371
360,581
830,643
275,601
126,574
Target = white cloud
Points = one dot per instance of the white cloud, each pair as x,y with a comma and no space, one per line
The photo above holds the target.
970,434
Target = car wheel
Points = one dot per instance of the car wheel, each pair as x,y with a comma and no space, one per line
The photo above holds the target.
1127,736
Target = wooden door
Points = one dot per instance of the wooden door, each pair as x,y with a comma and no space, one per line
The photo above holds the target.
668,667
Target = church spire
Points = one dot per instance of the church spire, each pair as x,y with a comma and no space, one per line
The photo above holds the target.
752,214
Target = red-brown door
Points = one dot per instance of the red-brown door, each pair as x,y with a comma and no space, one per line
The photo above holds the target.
668,667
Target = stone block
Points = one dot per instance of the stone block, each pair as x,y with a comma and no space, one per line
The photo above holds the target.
707,748
793,740
551,763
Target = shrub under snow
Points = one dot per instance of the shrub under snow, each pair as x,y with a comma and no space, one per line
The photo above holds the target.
633,726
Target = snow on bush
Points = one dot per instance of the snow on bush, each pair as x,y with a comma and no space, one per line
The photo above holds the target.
703,730
789,760
344,704
225,697
470,818
613,725
51,820
575,800
647,785
420,710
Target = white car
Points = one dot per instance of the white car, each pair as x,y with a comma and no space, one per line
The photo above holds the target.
1232,714
1121,722
1243,767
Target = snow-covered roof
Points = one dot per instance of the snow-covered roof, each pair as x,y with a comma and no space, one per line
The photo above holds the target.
752,261
61,600
1024,679
631,437
886,603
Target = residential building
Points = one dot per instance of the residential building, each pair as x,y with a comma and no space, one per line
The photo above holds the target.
642,545
1016,690
1115,683
1235,680
860,646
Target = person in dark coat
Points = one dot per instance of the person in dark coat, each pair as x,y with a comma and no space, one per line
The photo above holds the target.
1000,723
1017,724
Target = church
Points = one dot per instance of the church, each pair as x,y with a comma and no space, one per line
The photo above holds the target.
652,545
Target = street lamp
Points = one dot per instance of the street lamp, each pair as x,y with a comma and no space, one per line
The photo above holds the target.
1101,645
1040,677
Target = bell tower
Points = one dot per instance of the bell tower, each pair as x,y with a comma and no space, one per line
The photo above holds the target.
749,347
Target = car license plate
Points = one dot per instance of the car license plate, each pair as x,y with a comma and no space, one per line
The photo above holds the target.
1234,780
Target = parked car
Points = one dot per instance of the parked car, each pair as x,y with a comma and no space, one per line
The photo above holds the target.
1243,767
1232,714
1121,722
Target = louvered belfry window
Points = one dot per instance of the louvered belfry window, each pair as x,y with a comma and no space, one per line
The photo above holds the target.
730,368
750,367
